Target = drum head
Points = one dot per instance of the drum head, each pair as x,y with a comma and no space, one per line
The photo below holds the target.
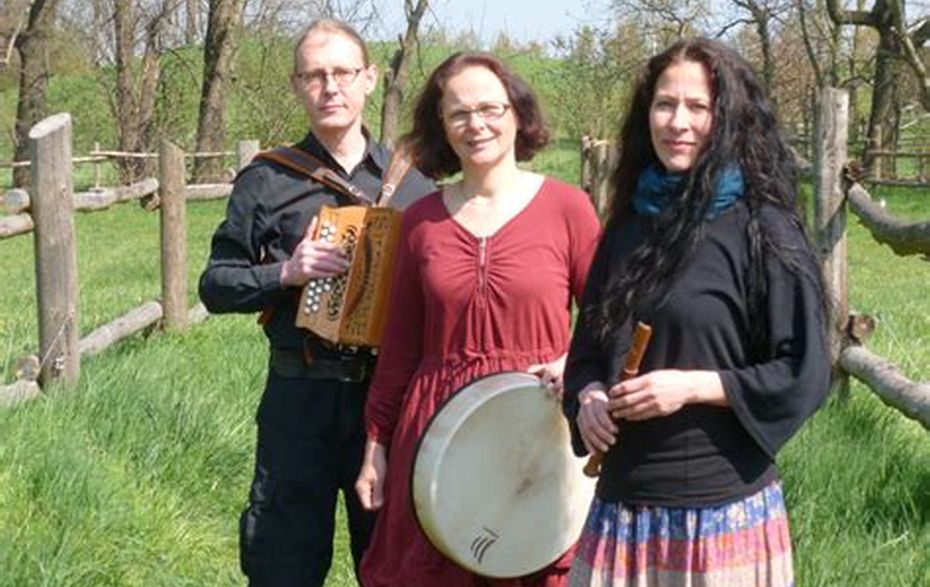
495,484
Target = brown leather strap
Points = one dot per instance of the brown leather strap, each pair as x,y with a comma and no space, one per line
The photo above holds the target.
300,161
397,169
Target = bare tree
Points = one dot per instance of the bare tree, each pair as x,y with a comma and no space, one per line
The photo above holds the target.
763,15
192,20
664,21
835,60
13,17
223,23
136,83
32,45
912,42
395,78
814,44
887,18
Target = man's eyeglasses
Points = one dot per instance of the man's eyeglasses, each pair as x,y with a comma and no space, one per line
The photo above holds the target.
485,111
316,78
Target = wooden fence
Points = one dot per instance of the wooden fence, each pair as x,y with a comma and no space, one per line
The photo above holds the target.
835,193
49,212
887,169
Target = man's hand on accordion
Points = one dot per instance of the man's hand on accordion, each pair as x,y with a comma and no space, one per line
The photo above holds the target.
313,258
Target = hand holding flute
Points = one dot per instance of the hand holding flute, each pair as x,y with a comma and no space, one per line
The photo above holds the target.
630,369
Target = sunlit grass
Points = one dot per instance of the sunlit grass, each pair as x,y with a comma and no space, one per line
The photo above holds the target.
137,476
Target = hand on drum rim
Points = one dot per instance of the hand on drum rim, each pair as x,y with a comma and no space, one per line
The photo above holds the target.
550,375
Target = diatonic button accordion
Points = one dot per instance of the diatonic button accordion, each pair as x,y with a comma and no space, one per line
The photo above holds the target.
351,308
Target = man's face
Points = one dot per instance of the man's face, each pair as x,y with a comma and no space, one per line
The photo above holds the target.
332,81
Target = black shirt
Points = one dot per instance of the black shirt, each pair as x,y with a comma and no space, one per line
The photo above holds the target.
266,218
705,455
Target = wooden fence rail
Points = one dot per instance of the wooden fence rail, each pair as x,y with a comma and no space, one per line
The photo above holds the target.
49,213
916,151
904,237
835,193
98,155
17,202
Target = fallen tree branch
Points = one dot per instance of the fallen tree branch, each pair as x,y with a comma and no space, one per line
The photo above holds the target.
904,238
16,201
909,397
135,320
104,198
26,388
14,225
208,191
18,392
197,314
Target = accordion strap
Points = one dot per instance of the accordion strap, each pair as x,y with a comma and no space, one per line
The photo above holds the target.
397,169
300,161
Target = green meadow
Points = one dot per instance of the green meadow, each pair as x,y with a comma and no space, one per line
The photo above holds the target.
137,475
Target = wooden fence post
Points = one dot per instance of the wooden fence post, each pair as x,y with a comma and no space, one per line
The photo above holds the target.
601,185
585,179
55,251
173,214
830,215
96,167
245,151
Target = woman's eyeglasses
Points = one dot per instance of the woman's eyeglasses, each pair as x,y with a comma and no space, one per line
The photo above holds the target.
316,78
485,111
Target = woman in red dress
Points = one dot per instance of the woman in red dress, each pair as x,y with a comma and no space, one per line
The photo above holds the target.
484,282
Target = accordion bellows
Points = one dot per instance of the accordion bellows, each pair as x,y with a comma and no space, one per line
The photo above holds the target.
351,308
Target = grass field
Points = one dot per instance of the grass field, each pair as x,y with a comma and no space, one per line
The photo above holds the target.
136,477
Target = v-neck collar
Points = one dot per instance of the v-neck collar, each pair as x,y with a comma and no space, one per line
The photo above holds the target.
521,212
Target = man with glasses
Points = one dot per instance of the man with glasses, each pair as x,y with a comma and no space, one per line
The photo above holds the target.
310,434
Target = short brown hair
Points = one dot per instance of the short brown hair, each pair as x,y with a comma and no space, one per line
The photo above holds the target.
427,141
332,25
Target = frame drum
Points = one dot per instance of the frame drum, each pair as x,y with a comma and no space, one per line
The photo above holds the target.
495,484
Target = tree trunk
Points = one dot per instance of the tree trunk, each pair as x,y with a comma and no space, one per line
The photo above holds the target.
885,17
223,23
395,78
135,110
878,131
768,62
13,18
126,109
32,46
192,8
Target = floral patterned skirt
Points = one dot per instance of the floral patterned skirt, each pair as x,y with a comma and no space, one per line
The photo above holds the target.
740,544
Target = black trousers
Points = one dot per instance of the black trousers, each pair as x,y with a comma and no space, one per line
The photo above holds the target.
310,443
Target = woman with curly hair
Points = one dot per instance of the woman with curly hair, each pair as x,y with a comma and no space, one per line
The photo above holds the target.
705,244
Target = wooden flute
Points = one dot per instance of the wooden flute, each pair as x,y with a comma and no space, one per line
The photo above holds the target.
634,357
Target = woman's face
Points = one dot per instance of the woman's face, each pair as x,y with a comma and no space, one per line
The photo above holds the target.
681,115
478,119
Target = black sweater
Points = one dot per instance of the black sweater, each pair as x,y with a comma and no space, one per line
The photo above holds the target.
704,455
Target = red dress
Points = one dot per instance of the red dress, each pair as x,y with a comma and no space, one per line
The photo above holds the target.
463,307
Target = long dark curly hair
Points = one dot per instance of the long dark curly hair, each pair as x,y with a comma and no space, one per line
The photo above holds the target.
745,132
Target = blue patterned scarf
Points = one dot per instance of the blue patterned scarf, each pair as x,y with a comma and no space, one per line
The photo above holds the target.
656,188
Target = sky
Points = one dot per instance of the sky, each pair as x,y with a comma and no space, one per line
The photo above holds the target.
523,20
